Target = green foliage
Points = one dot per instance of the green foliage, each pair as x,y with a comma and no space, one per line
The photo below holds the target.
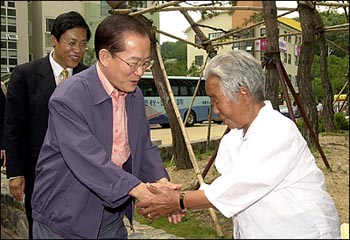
340,122
321,124
337,70
194,71
174,55
340,38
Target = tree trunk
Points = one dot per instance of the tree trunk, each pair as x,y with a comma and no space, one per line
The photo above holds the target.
328,111
272,78
304,79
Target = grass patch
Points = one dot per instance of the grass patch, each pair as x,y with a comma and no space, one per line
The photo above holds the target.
188,228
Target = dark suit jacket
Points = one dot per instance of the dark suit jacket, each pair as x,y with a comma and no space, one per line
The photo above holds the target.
2,117
28,94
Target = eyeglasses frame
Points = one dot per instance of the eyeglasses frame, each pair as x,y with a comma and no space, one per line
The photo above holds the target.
135,66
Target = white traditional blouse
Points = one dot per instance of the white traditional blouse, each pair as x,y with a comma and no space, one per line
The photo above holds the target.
270,183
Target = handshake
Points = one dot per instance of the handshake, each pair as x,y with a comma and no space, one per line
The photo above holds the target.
165,200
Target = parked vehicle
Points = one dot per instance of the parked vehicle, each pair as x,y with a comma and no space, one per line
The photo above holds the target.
183,89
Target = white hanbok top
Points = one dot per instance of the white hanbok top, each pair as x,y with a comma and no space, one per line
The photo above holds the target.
270,183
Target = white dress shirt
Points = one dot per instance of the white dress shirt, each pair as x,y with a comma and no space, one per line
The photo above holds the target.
57,69
270,183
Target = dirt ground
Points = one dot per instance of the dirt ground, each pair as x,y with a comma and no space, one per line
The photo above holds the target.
336,150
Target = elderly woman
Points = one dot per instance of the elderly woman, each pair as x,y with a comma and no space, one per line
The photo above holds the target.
269,182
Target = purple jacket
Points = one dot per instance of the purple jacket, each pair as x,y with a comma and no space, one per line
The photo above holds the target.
75,178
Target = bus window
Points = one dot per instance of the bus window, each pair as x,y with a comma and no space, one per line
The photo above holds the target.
183,89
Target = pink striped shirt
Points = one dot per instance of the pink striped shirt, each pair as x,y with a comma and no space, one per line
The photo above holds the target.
120,148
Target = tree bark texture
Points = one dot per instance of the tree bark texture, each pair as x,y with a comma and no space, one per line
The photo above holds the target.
272,46
304,79
328,111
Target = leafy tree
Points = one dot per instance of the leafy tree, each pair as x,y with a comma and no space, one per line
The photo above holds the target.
337,70
340,38
194,71
175,58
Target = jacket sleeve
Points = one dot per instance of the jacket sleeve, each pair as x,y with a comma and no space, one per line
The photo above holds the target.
15,124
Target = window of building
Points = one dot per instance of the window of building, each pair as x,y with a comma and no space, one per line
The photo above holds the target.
262,32
12,45
3,12
198,60
11,12
3,44
3,20
13,61
215,35
3,53
47,40
11,4
197,40
11,21
12,36
3,3
3,36
285,57
12,53
49,24
11,28
289,59
5,70
3,61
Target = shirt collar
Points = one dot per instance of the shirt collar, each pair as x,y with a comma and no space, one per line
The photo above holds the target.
57,68
106,84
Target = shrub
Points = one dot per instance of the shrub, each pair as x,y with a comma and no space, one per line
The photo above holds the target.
340,122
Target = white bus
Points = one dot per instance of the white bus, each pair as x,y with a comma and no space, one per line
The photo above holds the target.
183,89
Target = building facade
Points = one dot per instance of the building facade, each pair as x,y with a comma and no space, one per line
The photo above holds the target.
26,26
251,39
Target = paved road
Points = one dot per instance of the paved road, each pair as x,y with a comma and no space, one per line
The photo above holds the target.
197,132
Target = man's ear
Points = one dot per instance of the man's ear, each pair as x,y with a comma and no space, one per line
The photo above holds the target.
53,40
105,57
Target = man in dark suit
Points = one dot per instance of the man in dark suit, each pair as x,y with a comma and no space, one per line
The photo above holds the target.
29,90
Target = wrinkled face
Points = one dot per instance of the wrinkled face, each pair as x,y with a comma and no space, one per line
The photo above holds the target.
232,113
125,68
70,48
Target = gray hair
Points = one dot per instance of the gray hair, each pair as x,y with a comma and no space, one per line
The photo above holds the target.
235,69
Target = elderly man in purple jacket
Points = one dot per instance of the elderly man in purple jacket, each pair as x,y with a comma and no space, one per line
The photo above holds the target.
97,155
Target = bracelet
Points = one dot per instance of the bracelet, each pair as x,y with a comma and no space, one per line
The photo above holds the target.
182,205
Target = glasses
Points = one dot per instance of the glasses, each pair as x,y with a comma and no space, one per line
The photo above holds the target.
74,44
134,66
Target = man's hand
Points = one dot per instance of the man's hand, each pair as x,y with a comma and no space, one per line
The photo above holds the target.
17,187
163,182
164,203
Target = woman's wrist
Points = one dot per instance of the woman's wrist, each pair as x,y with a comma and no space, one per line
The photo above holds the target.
182,201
